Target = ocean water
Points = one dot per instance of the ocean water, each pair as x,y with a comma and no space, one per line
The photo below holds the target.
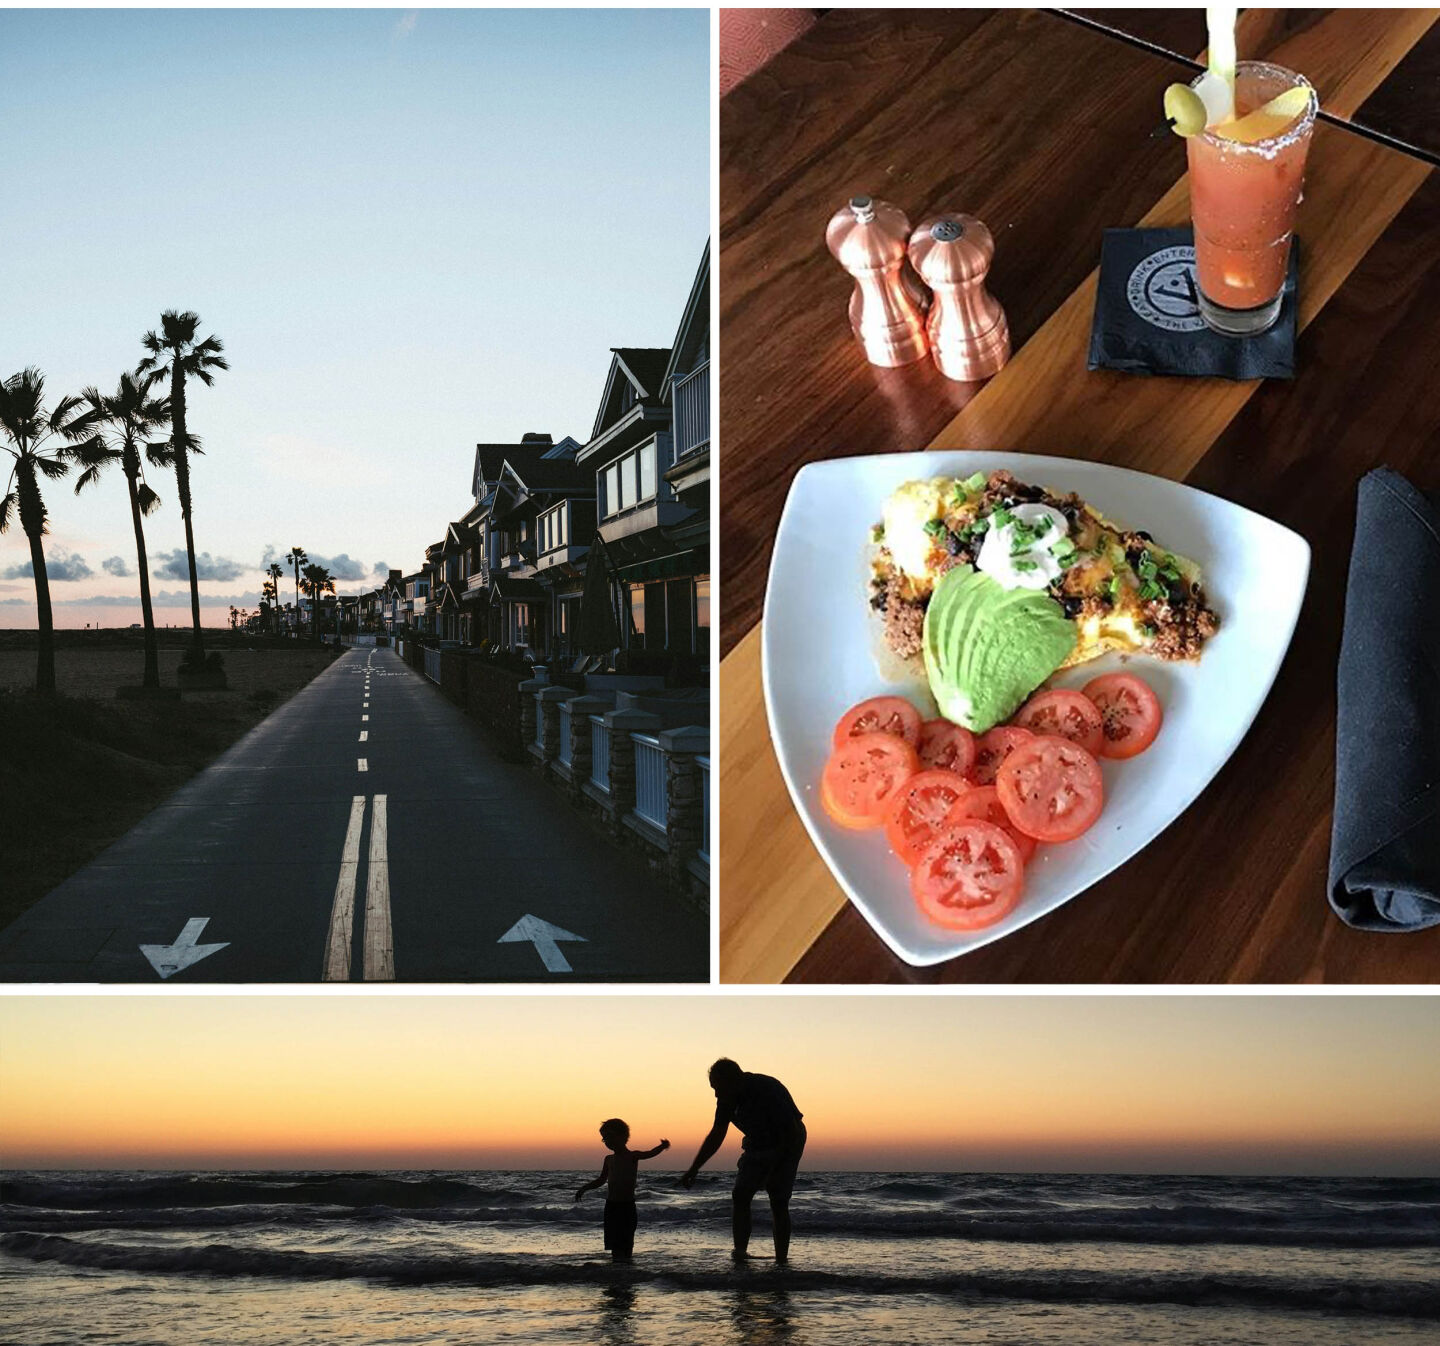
362,1259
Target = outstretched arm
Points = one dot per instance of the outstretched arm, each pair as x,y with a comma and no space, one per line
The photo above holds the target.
599,1182
710,1144
650,1154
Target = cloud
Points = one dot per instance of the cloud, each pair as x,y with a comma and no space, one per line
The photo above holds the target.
174,566
61,566
341,566
405,24
115,565
165,598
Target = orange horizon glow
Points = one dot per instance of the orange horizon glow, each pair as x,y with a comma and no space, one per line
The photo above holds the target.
1166,1083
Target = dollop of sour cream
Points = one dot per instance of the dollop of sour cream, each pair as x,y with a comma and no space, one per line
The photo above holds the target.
1032,565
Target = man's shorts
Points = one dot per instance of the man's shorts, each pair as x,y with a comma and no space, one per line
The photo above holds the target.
772,1169
620,1220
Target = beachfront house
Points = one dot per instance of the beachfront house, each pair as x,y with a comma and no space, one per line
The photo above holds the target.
653,516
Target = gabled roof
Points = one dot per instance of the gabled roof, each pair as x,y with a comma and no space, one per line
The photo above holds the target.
551,474
639,368
694,329
490,458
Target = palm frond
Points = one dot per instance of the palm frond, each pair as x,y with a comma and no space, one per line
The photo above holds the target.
161,453
88,477
149,501
54,468
7,508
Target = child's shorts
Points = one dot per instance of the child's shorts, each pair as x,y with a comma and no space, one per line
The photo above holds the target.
620,1219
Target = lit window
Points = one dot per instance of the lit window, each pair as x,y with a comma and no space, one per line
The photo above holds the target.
647,472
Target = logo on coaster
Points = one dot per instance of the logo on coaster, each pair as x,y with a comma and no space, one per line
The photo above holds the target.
1162,290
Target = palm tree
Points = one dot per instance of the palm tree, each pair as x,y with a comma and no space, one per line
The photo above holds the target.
187,358
297,558
26,427
275,572
318,581
111,432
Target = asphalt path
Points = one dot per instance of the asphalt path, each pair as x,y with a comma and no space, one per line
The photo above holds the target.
366,831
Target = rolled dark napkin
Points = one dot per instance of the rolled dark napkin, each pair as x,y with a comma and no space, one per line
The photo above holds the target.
1385,846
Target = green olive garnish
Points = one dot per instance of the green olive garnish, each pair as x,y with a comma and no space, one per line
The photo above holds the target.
1184,110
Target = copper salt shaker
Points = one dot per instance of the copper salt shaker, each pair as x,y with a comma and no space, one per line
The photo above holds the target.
969,336
887,314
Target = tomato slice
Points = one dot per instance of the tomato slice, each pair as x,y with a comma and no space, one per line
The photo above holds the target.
918,809
1130,713
946,746
1062,713
880,715
969,876
863,775
992,748
1051,788
983,802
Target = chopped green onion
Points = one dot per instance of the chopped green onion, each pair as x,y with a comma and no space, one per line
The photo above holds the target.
1002,517
1112,590
974,483
936,528
1023,564
1152,589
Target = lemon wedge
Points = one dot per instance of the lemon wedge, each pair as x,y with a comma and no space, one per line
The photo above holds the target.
1269,120
1184,110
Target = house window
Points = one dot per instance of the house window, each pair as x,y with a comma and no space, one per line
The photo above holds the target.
647,471
702,616
630,480
637,616
521,624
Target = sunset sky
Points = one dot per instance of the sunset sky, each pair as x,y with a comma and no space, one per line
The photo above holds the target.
1168,1084
413,231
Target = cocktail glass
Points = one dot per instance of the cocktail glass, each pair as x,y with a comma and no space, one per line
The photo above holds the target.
1243,198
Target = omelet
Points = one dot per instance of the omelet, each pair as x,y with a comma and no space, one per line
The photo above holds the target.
1122,590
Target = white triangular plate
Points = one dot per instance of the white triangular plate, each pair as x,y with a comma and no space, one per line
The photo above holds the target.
819,659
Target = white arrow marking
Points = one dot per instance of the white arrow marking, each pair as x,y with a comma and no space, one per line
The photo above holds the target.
543,935
168,959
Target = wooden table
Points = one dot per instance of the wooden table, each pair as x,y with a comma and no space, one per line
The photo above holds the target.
1040,124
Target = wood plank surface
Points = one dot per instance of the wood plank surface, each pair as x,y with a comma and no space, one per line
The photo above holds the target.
1401,107
1366,213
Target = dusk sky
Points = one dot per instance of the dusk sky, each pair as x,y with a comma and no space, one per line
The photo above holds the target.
1179,1084
413,231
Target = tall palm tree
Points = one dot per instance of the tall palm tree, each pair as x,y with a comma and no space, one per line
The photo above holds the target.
175,346
318,581
275,572
27,427
297,558
111,433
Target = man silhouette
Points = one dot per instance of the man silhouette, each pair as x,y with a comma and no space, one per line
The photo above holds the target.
761,1109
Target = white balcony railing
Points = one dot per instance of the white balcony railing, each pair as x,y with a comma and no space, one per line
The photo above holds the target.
650,794
599,753
432,665
564,755
704,764
692,411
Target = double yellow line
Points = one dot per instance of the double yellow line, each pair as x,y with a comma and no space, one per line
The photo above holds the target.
379,947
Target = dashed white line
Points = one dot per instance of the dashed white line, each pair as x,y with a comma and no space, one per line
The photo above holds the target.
364,717
342,911
362,765
379,940
364,734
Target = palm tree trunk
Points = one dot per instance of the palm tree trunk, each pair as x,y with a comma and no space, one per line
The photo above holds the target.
182,485
45,668
147,613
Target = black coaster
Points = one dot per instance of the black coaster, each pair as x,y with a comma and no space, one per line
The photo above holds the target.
1147,320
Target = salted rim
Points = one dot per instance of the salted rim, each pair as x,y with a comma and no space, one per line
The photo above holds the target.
1267,148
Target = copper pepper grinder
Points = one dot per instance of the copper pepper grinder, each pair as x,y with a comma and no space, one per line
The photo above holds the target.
887,313
969,336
